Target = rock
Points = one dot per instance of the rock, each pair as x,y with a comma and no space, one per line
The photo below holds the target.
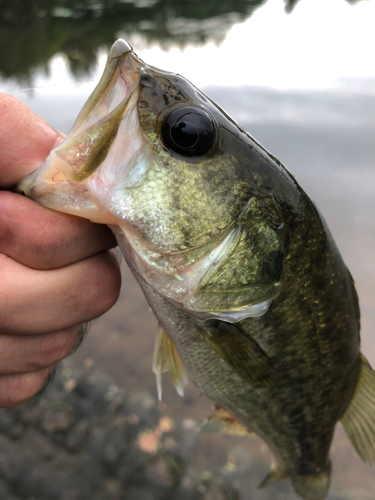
54,421
10,424
84,438
4,492
77,437
159,473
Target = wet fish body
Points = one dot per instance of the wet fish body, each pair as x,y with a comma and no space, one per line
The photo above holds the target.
254,301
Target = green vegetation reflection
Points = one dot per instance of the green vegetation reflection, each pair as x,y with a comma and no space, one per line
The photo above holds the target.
31,33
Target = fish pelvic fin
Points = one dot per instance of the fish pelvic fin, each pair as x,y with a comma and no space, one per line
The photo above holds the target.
359,418
167,358
314,486
224,422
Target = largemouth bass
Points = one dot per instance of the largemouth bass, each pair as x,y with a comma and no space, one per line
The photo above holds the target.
254,301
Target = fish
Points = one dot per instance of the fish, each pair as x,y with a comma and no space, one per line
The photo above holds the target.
254,302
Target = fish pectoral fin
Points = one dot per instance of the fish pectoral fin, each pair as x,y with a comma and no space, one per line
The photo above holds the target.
167,358
274,476
241,352
359,418
224,422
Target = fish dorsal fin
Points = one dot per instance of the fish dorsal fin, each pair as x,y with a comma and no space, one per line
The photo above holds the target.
359,419
224,422
167,358
274,476
241,352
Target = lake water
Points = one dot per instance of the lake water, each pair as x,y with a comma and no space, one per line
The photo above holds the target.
324,134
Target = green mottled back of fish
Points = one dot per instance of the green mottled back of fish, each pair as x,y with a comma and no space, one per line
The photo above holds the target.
254,301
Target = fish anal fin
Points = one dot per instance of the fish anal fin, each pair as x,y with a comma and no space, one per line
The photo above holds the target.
241,352
359,418
167,358
223,421
274,476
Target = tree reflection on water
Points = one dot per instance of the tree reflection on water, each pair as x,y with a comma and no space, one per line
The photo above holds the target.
31,33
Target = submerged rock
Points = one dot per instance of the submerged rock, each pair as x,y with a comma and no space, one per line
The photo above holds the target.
84,438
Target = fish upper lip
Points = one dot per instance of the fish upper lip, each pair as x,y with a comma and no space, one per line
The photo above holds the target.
120,77
119,48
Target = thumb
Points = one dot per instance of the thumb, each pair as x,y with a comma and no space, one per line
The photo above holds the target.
25,140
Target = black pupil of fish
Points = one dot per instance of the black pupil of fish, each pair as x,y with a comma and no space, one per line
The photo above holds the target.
188,131
184,134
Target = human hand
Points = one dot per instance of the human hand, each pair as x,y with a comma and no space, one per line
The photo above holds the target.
56,272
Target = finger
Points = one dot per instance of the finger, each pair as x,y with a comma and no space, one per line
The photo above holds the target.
82,331
17,389
25,140
43,239
30,353
35,302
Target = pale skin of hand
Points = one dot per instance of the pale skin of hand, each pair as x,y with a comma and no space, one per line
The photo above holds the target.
56,270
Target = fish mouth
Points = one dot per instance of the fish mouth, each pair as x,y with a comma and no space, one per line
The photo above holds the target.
118,81
111,110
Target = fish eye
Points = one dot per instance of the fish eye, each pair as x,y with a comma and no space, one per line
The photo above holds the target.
188,131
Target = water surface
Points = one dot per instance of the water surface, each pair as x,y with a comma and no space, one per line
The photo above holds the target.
325,138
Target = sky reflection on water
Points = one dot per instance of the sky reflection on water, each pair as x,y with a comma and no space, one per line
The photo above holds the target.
304,87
